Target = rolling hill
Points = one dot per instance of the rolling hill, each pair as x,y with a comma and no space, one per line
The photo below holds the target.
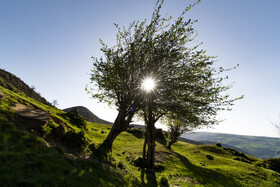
88,115
261,147
41,145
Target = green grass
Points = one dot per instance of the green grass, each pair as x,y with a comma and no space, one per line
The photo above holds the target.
187,165
26,161
261,147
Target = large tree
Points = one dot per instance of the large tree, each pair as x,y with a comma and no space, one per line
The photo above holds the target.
187,86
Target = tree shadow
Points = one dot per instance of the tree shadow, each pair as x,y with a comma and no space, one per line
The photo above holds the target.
205,175
150,176
26,161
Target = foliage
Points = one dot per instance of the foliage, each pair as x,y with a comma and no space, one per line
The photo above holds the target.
272,163
77,119
261,147
75,140
25,161
187,84
163,181
175,129
218,144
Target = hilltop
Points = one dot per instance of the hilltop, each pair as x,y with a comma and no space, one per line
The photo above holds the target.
88,115
41,145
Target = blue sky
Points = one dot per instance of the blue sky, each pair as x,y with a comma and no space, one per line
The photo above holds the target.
49,44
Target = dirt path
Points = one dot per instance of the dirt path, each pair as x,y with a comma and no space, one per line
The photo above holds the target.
28,112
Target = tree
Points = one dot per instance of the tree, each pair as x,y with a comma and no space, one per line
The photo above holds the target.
55,103
276,124
176,128
187,86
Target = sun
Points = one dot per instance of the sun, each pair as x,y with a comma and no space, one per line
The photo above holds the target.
148,84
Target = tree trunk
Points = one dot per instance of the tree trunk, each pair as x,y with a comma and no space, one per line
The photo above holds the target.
144,147
150,139
120,124
171,143
151,146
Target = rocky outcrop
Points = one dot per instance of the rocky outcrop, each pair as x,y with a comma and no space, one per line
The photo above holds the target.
58,132
29,118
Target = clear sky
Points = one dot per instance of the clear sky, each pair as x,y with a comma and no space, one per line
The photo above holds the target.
49,44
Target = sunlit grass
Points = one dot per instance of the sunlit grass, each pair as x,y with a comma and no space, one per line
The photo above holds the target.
24,160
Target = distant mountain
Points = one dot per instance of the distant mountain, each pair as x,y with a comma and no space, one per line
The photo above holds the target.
15,84
88,115
261,147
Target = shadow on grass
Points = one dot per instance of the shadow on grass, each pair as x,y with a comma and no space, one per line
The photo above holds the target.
206,176
25,161
150,176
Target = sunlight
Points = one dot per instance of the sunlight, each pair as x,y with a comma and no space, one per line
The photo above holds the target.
148,84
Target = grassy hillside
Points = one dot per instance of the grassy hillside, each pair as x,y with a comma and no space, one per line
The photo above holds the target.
15,84
39,157
261,147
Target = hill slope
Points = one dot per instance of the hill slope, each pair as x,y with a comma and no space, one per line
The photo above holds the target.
42,146
261,147
88,115
13,83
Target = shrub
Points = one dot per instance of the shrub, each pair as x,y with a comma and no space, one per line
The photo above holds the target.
209,157
139,162
159,167
120,165
75,140
46,129
77,119
218,144
242,160
271,163
164,182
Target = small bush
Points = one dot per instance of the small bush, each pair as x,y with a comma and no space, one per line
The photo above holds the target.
164,182
272,163
75,140
242,160
46,130
218,144
77,119
92,147
139,162
159,167
209,157
120,165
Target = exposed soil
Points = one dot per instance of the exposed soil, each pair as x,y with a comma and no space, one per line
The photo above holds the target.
29,112
29,118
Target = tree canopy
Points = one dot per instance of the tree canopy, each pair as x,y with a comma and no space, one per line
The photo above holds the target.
187,85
